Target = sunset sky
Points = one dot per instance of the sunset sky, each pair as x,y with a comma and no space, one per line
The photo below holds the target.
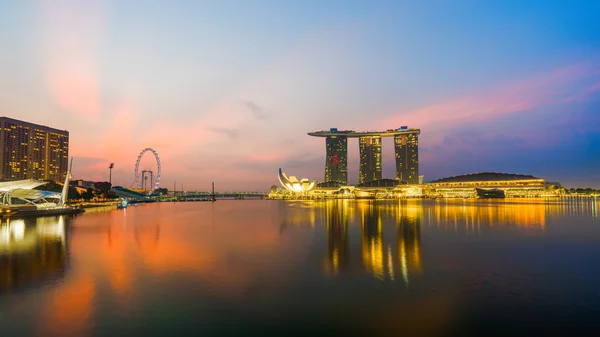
226,91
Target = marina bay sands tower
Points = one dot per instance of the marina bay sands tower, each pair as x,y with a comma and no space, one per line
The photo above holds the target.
406,144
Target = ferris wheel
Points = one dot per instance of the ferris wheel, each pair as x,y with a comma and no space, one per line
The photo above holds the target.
138,178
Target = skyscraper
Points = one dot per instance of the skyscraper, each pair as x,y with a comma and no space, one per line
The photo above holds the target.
31,151
407,157
336,165
370,159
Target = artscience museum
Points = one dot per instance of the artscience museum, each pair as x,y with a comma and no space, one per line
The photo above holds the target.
292,183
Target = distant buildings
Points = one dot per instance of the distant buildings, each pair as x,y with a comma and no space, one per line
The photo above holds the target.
477,185
407,183
31,151
491,184
406,143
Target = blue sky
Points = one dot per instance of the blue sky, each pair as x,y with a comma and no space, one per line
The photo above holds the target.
226,91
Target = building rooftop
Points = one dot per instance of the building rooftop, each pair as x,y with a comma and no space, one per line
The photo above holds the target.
29,184
30,124
485,176
356,134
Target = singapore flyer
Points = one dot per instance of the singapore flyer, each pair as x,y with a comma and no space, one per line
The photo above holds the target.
138,178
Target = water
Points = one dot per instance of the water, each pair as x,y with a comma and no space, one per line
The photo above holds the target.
415,268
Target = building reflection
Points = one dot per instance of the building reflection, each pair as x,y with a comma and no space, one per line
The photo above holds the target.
32,252
409,241
372,239
475,217
390,231
337,236
300,214
389,238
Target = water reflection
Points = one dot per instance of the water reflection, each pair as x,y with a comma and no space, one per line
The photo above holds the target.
337,237
409,243
372,239
32,251
389,237
241,262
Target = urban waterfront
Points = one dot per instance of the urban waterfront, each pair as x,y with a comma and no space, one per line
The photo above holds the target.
337,267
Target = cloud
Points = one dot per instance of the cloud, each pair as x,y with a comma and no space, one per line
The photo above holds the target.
70,34
257,111
231,133
517,97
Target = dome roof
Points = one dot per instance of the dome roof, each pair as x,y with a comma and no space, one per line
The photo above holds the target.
485,176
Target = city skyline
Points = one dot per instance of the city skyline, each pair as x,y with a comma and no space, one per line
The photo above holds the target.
226,91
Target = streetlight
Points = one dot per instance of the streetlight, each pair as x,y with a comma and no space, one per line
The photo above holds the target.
110,167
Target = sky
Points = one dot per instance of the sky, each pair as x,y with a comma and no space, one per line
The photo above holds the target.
226,91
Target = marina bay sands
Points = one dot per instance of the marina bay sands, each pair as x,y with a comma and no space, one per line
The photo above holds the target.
406,144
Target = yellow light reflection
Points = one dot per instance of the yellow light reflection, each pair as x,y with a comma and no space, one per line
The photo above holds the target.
31,251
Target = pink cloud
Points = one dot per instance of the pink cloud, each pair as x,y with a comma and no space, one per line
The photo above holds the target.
265,157
517,97
494,102
70,33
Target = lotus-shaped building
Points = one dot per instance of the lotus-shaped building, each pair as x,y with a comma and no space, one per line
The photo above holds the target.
293,184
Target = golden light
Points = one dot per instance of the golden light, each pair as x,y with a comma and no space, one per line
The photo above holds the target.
293,184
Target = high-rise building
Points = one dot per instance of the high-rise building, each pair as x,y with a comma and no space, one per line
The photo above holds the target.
31,151
407,157
370,159
336,166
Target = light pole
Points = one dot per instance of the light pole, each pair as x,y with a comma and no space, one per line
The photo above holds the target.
110,167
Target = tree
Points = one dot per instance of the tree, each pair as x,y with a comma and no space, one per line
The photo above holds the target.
88,195
161,191
103,186
73,194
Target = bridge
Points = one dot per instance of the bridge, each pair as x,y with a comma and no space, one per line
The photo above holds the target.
220,195
130,194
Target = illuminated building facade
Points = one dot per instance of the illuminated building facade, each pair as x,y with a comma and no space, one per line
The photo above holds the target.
292,183
370,159
336,165
31,151
406,149
407,157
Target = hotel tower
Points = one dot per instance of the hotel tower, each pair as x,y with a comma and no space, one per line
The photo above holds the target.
406,143
31,151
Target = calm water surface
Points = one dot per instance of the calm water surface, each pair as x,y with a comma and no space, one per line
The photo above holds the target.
414,268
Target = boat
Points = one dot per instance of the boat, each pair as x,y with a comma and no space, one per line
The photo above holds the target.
123,204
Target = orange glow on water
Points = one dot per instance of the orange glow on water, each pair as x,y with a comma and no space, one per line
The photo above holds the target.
69,306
